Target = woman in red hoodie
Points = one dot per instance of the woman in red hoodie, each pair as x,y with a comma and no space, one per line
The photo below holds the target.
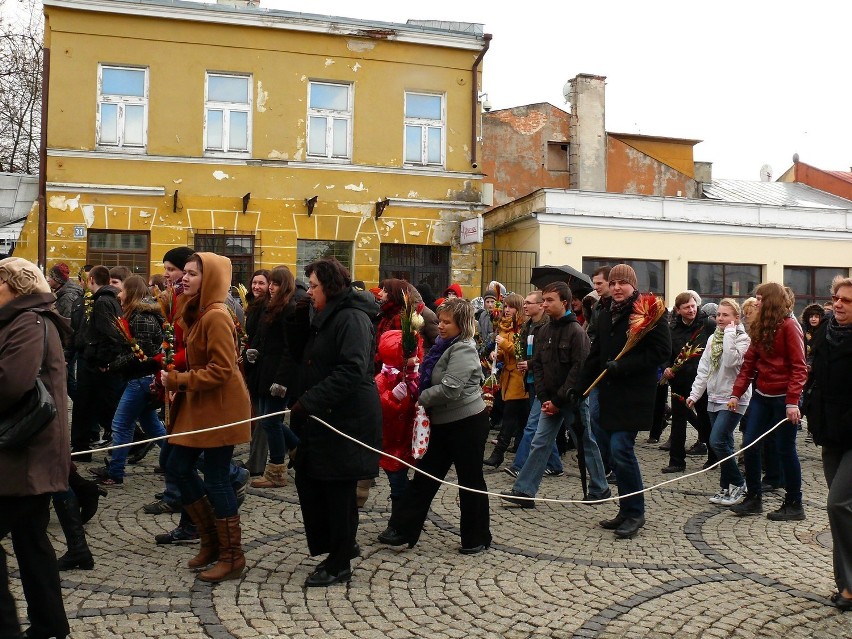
777,358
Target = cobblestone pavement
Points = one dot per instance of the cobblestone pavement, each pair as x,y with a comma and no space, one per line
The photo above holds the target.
694,571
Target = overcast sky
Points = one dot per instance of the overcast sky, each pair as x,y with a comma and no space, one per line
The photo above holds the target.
757,81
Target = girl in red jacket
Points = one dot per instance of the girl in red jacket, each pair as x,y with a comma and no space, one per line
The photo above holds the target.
777,358
398,395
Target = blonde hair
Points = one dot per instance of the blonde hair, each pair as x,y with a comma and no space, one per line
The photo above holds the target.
838,282
461,310
749,304
732,304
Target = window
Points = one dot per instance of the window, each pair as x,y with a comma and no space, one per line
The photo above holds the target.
120,248
715,281
557,156
330,120
416,264
122,119
227,114
308,251
650,274
424,129
812,285
238,247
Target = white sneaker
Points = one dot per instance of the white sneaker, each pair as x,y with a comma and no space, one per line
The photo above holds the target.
719,497
736,494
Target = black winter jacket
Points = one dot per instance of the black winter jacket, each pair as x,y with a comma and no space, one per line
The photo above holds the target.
827,400
626,397
697,333
335,382
274,363
561,348
103,342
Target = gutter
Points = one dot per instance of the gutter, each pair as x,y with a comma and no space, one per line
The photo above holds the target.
474,108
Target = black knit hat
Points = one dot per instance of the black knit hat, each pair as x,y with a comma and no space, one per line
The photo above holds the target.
178,256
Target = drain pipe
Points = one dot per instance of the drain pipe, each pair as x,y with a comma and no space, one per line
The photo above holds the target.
42,162
474,109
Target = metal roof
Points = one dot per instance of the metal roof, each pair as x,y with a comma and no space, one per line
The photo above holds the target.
773,194
846,176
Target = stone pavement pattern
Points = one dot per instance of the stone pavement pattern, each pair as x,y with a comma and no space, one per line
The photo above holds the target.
695,570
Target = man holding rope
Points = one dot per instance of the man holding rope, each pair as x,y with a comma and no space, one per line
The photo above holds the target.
626,392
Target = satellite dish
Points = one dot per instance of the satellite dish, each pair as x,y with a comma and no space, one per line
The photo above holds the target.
765,173
566,92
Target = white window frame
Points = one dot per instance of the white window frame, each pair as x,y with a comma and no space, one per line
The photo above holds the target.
425,124
227,108
121,101
330,116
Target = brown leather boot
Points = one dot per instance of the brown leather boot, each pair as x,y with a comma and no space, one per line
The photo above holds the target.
201,514
275,476
232,561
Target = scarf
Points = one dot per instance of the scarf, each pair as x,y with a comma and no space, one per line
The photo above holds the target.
618,308
438,348
716,349
835,334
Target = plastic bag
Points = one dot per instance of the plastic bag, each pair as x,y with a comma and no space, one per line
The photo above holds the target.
420,434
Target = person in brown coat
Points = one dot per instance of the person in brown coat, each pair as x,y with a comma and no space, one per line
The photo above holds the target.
28,321
210,393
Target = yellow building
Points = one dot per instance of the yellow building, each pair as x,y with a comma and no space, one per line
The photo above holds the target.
268,136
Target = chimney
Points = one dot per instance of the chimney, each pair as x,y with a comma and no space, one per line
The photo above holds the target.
587,133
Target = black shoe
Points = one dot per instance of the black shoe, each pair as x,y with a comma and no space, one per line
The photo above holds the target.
101,472
629,527
592,498
138,455
610,478
752,505
474,550
708,464
511,497
789,511
180,535
653,440
667,445
82,560
495,459
612,524
840,602
697,449
322,578
672,468
510,470
356,552
766,487
160,507
393,538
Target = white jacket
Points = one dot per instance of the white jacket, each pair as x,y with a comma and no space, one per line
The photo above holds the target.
719,383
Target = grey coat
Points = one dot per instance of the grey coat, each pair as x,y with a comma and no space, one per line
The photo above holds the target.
455,392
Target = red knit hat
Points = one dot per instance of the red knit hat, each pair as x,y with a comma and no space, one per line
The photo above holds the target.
60,272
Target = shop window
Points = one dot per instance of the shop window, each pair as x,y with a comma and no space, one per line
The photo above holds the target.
120,248
416,264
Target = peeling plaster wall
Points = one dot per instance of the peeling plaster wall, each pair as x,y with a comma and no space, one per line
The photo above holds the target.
514,149
631,171
587,128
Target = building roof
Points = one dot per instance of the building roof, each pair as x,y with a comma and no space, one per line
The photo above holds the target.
462,35
773,193
846,176
655,138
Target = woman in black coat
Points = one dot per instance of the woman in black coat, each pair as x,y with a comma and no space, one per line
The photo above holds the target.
828,405
334,351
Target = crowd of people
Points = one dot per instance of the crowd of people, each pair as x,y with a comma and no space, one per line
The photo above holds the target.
336,373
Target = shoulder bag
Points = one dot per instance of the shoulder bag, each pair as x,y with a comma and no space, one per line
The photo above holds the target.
31,414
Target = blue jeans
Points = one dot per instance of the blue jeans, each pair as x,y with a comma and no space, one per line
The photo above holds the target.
398,481
628,475
595,419
217,481
171,493
280,437
554,463
592,454
133,405
724,423
764,413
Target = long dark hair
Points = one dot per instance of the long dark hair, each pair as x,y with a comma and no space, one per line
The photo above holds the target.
282,276
774,308
257,301
395,288
333,276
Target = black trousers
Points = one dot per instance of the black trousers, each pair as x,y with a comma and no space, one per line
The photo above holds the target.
330,515
26,519
461,443
95,402
515,414
699,420
837,465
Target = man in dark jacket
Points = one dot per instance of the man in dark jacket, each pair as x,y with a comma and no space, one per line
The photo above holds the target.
562,347
98,392
68,294
626,392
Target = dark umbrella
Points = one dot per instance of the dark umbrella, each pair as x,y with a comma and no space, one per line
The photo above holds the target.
579,283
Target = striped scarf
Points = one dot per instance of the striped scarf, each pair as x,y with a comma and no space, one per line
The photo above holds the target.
716,349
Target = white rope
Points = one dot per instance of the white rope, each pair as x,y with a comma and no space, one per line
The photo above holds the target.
545,499
191,432
433,478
